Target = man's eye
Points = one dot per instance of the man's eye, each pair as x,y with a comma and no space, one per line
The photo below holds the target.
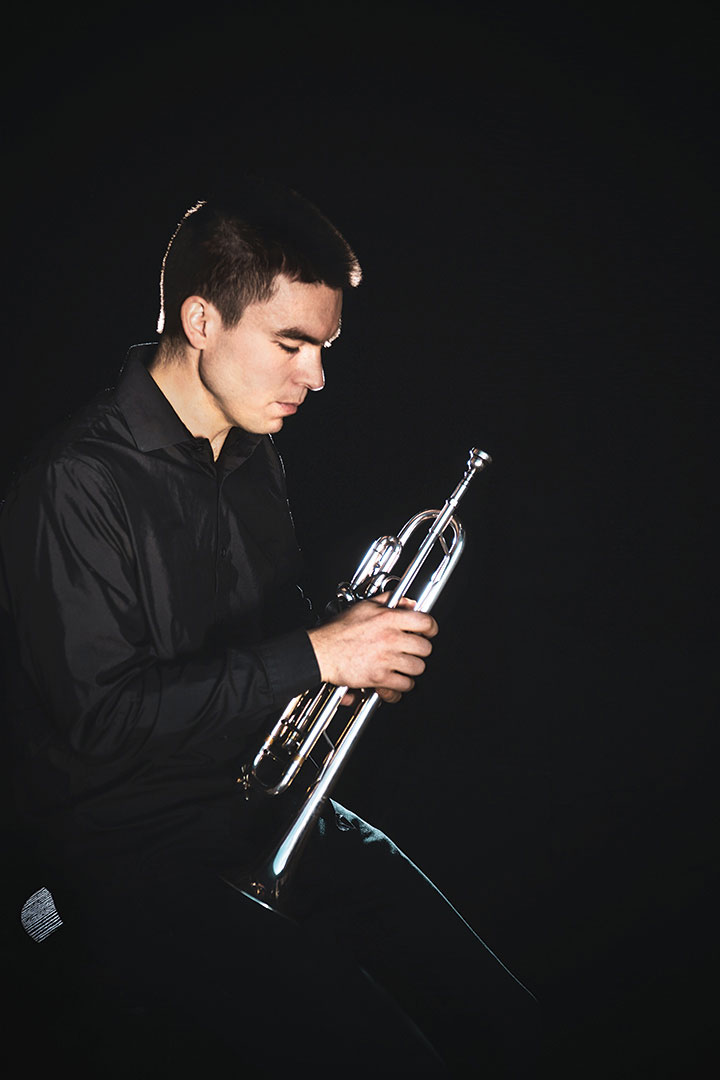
289,348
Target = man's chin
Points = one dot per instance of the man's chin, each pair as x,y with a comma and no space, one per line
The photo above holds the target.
267,426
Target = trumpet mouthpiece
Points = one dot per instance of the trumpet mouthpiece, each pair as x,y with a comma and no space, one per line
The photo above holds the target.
478,459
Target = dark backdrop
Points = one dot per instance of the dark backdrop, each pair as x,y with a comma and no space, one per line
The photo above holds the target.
533,200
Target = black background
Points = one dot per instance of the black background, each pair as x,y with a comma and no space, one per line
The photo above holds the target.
532,196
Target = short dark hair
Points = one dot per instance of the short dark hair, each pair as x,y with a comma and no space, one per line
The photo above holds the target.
231,250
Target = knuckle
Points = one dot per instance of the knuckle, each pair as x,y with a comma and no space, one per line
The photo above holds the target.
380,676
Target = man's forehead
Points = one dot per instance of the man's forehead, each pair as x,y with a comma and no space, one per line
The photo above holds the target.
301,311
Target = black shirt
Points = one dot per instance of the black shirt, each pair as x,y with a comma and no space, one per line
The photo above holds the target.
155,621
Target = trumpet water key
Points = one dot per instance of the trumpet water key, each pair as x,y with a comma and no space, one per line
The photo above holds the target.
289,752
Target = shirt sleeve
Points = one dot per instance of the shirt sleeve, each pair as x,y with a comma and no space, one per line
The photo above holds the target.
74,597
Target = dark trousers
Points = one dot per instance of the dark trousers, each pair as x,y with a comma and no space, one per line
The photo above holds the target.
372,971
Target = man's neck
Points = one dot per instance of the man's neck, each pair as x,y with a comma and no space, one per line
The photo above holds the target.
176,373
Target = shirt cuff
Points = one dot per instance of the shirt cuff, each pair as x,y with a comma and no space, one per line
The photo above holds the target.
290,665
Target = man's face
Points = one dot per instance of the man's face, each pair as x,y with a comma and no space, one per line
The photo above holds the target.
260,371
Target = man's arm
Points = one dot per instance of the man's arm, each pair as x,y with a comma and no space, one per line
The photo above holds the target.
81,620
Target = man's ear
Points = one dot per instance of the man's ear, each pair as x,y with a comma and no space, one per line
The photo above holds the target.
199,319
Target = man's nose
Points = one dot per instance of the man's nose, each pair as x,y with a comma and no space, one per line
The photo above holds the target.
313,372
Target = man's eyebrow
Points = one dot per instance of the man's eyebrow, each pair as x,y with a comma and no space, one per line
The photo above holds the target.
296,334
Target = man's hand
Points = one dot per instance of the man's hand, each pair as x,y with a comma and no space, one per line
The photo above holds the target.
370,646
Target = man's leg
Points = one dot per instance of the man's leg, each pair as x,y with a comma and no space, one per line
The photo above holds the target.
355,883
204,974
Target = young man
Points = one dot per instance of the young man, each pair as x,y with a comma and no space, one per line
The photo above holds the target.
149,585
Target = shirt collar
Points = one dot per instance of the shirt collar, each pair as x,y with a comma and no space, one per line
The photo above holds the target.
153,422
151,418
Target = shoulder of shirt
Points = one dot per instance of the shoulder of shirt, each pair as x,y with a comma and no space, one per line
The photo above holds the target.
84,438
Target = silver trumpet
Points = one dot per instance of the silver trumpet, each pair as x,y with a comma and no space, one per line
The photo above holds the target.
287,750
